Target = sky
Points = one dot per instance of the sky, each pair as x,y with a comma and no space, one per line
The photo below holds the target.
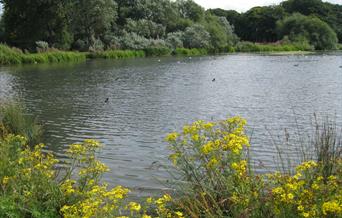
243,5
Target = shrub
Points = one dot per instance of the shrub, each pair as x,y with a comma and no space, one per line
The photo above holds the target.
175,40
196,37
211,159
96,46
32,187
42,46
134,41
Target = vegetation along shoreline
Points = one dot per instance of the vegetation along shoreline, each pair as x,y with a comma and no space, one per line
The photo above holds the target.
122,29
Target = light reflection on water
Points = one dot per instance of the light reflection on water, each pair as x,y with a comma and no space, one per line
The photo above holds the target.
148,99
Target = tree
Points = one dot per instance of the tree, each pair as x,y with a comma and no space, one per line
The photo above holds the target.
93,18
317,32
259,24
29,21
188,9
196,36
146,28
329,13
2,30
221,33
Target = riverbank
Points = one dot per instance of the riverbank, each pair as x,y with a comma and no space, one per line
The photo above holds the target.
15,56
209,156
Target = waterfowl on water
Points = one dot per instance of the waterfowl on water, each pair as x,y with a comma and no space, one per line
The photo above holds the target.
107,100
214,80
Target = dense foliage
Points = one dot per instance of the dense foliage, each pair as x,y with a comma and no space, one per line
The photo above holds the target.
259,24
97,25
299,27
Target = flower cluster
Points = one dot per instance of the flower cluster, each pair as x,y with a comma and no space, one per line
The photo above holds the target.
307,192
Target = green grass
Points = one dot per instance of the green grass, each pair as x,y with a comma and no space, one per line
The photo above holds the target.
117,54
13,120
9,56
190,52
258,47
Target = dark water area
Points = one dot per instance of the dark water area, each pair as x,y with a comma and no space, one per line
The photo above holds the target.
148,98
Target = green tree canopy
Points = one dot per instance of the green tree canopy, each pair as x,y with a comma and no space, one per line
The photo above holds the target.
317,32
26,22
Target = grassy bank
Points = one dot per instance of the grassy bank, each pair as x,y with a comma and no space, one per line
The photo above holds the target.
211,159
269,47
13,56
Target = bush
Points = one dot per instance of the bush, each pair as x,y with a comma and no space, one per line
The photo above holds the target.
96,46
196,37
31,185
42,46
134,41
175,40
219,182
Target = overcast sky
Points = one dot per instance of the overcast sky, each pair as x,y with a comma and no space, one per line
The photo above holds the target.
243,5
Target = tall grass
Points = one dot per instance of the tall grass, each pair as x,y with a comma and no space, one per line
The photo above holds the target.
190,52
13,120
117,54
158,51
10,56
258,47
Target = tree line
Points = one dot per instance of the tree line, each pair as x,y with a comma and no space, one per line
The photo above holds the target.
95,25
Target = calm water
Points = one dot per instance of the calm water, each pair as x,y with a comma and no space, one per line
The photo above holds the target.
150,97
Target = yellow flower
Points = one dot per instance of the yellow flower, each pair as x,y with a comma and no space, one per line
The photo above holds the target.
133,206
149,200
300,208
305,214
212,163
146,216
174,157
195,138
332,207
208,126
207,148
5,180
179,214
315,186
171,137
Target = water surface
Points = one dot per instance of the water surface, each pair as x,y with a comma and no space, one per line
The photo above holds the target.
150,97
